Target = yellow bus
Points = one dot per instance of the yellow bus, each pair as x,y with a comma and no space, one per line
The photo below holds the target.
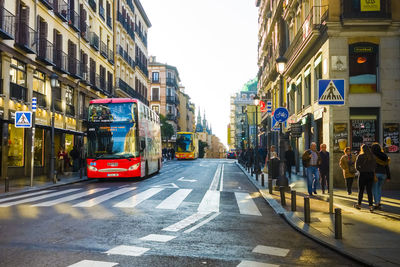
187,145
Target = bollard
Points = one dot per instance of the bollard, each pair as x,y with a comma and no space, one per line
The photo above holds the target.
256,176
6,185
270,186
262,180
283,198
338,223
293,200
307,217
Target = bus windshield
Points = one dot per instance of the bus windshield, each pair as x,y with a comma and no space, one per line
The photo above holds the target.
112,112
184,143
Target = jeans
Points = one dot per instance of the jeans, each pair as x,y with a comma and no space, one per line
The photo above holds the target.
377,187
349,184
312,179
324,180
289,170
365,181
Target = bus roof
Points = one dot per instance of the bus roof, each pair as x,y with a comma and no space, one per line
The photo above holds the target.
185,133
113,100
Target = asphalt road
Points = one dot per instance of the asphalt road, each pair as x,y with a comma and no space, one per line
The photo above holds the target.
193,213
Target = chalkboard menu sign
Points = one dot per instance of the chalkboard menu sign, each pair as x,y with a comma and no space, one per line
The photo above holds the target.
391,137
362,132
340,137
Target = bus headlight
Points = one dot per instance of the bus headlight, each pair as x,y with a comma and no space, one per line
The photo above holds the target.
134,167
92,168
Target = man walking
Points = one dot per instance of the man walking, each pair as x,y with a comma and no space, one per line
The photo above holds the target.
324,168
312,160
289,157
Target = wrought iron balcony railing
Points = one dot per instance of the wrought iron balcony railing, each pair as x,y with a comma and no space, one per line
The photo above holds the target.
103,49
60,60
171,82
48,3
18,92
171,100
75,68
85,33
61,9
94,40
27,38
109,22
7,24
111,56
45,51
102,12
74,20
130,91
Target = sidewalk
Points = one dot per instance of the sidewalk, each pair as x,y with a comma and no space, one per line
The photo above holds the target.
370,238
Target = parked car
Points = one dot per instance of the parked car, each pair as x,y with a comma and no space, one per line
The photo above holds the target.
231,155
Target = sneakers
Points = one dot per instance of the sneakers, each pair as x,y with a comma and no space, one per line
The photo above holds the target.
315,192
357,206
378,207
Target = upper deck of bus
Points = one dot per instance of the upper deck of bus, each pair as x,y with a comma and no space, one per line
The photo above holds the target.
113,100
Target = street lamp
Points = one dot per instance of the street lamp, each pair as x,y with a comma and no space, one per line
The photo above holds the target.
54,84
256,167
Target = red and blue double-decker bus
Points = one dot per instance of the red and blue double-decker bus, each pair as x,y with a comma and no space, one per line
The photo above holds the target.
124,139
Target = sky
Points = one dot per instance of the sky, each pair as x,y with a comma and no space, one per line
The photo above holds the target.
213,44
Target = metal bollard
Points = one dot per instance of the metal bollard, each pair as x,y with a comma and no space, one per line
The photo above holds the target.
293,200
256,176
6,185
283,198
338,223
262,180
270,186
307,217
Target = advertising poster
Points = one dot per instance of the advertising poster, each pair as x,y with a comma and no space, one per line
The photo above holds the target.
391,137
340,137
370,5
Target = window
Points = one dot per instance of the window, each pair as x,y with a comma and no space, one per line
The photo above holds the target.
299,100
155,94
291,98
307,87
156,76
169,91
39,82
156,108
69,96
363,67
317,76
39,145
18,72
15,146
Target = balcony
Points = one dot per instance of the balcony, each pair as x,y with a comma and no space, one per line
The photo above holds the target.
75,68
102,13
111,56
48,3
27,38
85,75
41,99
171,100
95,82
92,4
45,52
58,105
18,92
84,114
130,91
74,20
61,9
351,10
155,80
171,82
7,24
70,110
103,49
85,34
142,67
94,41
172,117
60,59
109,22
126,25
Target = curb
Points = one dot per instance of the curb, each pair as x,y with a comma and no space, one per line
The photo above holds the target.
312,233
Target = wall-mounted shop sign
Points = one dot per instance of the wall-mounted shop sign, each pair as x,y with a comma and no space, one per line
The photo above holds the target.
41,117
370,5
391,140
340,137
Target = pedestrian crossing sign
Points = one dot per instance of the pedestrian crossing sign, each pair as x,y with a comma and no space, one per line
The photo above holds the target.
23,119
331,92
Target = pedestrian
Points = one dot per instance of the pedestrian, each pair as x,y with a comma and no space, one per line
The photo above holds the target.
61,160
365,164
271,163
290,161
75,156
347,164
382,173
324,168
312,160
172,153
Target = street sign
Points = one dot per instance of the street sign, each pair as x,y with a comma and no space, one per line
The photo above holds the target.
281,114
296,129
34,102
275,125
262,106
331,92
23,119
269,106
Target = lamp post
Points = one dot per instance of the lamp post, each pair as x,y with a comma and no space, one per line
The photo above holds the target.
53,83
256,165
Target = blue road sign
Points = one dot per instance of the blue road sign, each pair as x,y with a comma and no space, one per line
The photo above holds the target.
276,126
34,102
281,114
331,92
23,119
269,106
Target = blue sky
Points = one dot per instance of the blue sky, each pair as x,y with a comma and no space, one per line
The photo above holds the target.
213,43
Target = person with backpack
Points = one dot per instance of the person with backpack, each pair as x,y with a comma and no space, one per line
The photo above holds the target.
382,173
312,160
347,164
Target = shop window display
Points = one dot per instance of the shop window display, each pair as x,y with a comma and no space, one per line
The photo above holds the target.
39,144
15,146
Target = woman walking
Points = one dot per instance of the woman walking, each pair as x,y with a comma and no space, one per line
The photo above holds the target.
382,173
347,164
365,164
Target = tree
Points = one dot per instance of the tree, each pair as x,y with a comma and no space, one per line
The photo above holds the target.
167,130
202,146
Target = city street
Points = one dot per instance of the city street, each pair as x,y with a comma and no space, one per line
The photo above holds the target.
193,213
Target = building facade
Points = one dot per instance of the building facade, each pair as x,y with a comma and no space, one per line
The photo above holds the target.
357,41
186,112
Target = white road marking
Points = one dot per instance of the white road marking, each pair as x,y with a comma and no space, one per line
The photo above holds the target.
88,263
68,198
221,183
186,222
202,223
127,251
170,185
158,238
174,200
255,264
215,181
138,198
281,252
97,200
25,195
246,204
187,180
210,202
39,197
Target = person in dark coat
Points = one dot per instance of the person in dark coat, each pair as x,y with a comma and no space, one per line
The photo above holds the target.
324,168
365,164
75,156
290,161
382,173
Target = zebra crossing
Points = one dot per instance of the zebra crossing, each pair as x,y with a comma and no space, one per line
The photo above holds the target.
129,197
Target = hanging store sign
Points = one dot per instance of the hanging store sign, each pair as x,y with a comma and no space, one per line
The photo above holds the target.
296,129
